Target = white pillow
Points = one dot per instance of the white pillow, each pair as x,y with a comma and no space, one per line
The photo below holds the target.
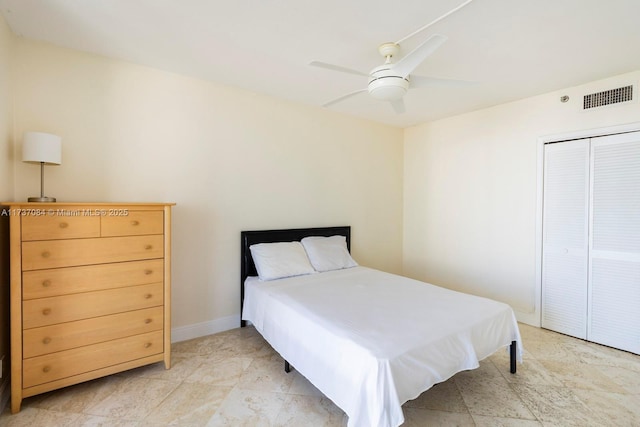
281,259
328,253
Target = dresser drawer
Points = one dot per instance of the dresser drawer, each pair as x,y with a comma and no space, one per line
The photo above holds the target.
70,280
66,253
48,227
135,223
63,364
68,308
64,336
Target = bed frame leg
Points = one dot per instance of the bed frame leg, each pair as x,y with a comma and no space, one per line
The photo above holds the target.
287,367
513,352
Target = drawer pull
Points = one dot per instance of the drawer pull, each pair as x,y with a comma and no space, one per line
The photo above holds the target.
148,296
147,321
46,368
134,222
148,247
63,225
46,311
46,340
46,283
147,345
46,254
148,272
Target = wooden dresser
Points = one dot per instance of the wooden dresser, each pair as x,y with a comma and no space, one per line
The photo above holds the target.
90,291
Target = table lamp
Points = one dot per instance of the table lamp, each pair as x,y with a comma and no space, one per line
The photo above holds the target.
43,148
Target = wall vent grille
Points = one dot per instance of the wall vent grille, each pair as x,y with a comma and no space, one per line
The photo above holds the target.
608,97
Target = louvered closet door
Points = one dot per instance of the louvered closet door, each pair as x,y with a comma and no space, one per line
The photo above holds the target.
614,297
565,237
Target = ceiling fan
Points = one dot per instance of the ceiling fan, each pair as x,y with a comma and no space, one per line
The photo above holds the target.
391,80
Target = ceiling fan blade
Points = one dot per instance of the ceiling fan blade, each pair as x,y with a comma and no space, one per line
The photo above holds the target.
337,68
398,106
342,98
406,65
422,81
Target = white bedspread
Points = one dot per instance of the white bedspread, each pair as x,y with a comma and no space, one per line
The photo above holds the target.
370,340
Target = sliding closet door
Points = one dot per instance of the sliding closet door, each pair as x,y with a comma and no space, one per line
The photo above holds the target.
614,297
565,237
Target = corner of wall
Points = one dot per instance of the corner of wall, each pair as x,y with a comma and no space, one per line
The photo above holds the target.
7,41
7,191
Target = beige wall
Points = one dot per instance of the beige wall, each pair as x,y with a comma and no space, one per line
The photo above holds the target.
454,205
231,160
6,193
470,192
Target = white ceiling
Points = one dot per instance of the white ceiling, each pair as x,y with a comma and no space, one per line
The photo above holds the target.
512,49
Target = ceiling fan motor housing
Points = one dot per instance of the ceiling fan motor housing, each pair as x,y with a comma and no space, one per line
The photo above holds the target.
386,85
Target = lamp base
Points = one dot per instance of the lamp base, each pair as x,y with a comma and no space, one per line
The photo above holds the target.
41,199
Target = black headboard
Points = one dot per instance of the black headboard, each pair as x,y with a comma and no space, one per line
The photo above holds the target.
248,238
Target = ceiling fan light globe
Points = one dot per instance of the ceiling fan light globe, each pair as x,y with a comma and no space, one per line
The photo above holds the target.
389,88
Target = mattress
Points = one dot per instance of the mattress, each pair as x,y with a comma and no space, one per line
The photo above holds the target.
371,340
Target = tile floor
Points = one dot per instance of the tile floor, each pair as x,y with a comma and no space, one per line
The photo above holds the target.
235,379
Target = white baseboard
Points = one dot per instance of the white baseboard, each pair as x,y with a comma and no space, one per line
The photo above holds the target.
532,319
197,330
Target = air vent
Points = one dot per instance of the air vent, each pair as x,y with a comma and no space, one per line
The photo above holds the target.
608,97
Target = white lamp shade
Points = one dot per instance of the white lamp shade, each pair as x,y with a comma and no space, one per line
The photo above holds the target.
38,147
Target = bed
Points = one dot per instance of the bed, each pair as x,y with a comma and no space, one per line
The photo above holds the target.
370,340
